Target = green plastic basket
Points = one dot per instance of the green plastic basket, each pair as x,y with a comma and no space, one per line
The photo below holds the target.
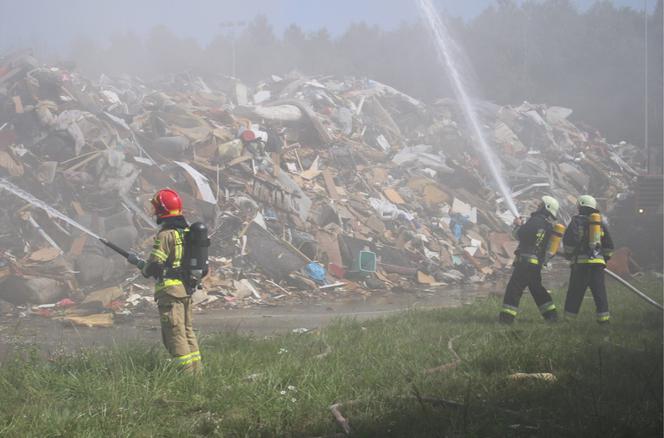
365,262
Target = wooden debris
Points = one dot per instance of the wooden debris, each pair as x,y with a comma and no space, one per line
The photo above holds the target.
546,377
329,184
449,365
44,255
393,196
340,419
103,297
96,320
423,278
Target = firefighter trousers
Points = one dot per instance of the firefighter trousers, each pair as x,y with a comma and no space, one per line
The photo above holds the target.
177,331
526,275
581,277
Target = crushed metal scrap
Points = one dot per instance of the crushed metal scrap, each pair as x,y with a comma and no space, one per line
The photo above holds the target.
310,186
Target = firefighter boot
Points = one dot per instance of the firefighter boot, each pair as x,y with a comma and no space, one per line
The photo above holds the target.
505,318
550,316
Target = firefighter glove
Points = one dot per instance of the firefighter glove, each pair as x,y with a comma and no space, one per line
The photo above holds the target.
135,260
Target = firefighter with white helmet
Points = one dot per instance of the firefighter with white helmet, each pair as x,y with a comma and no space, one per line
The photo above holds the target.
588,246
534,239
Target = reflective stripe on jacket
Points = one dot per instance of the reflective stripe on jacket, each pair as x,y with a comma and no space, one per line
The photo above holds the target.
167,251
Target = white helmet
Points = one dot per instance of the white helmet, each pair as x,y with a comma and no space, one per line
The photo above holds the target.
586,201
551,205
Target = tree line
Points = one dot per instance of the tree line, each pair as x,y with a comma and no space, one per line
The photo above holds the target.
547,51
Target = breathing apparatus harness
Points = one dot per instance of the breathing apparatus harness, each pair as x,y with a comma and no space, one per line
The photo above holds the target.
193,264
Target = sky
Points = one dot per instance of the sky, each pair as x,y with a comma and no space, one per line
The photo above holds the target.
53,24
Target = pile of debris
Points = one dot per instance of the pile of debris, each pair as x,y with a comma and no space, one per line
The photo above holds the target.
309,185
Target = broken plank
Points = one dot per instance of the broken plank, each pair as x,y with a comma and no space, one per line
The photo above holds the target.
393,196
329,184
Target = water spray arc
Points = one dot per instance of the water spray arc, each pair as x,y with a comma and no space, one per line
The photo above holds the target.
11,188
445,47
17,191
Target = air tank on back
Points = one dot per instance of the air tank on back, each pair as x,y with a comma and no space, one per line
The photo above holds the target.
197,251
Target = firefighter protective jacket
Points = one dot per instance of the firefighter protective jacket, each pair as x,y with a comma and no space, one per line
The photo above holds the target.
166,258
533,238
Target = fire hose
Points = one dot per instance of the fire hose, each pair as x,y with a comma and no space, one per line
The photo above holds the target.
645,297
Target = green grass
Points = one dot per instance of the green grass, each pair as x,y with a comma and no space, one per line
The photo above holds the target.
609,380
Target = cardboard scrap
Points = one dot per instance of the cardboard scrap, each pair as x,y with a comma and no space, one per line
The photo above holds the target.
375,224
433,195
12,166
445,257
393,196
103,297
418,183
423,278
329,245
18,104
378,175
44,254
310,174
96,320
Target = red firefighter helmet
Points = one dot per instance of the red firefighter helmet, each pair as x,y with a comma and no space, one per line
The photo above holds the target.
166,203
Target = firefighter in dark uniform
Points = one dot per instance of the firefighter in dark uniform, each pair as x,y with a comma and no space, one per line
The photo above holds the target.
588,251
172,296
533,237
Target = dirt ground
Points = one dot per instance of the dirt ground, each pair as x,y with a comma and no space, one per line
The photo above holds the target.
51,337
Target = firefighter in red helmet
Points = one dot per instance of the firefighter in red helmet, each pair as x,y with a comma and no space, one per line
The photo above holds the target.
171,295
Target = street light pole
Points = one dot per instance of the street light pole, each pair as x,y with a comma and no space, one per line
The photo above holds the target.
645,87
233,55
232,27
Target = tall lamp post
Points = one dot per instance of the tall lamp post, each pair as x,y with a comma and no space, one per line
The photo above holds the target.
232,27
645,80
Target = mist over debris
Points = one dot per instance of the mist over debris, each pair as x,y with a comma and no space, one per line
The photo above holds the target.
591,60
317,159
